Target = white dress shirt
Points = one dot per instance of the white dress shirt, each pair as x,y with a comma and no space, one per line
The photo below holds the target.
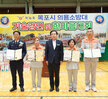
54,44
16,42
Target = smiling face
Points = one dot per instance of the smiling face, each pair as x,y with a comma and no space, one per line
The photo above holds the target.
53,35
37,42
16,36
71,44
90,33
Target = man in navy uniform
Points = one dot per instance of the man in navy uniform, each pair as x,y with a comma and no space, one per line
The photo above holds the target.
54,57
17,65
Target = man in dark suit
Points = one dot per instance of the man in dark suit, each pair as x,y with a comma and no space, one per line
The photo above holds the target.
54,57
17,65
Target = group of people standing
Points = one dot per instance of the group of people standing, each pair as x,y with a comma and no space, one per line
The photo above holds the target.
54,58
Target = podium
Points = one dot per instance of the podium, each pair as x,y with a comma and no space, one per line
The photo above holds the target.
45,72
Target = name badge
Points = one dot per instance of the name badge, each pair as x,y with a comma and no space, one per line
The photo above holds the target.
58,44
21,44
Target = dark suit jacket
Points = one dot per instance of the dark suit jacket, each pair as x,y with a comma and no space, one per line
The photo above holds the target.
19,45
50,53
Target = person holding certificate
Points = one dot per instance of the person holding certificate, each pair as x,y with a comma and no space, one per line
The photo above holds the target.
36,66
17,65
89,44
72,67
54,57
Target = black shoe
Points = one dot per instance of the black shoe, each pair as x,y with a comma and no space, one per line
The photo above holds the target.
57,89
13,89
75,90
51,89
22,89
70,89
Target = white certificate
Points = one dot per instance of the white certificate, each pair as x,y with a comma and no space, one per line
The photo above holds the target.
14,54
1,56
10,54
18,54
67,55
76,56
96,53
39,55
31,55
88,53
92,53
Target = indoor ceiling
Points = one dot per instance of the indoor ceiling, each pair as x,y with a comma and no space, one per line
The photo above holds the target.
53,3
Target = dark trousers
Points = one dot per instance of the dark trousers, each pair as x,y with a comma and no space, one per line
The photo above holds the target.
14,67
54,68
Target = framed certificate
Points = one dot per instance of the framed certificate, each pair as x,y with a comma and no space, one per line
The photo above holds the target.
67,55
88,53
92,53
14,54
31,55
76,56
39,55
96,53
18,54
35,55
70,55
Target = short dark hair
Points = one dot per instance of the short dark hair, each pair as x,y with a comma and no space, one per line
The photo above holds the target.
17,32
72,40
53,31
89,28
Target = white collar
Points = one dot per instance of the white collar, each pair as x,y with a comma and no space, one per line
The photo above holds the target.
16,41
54,40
